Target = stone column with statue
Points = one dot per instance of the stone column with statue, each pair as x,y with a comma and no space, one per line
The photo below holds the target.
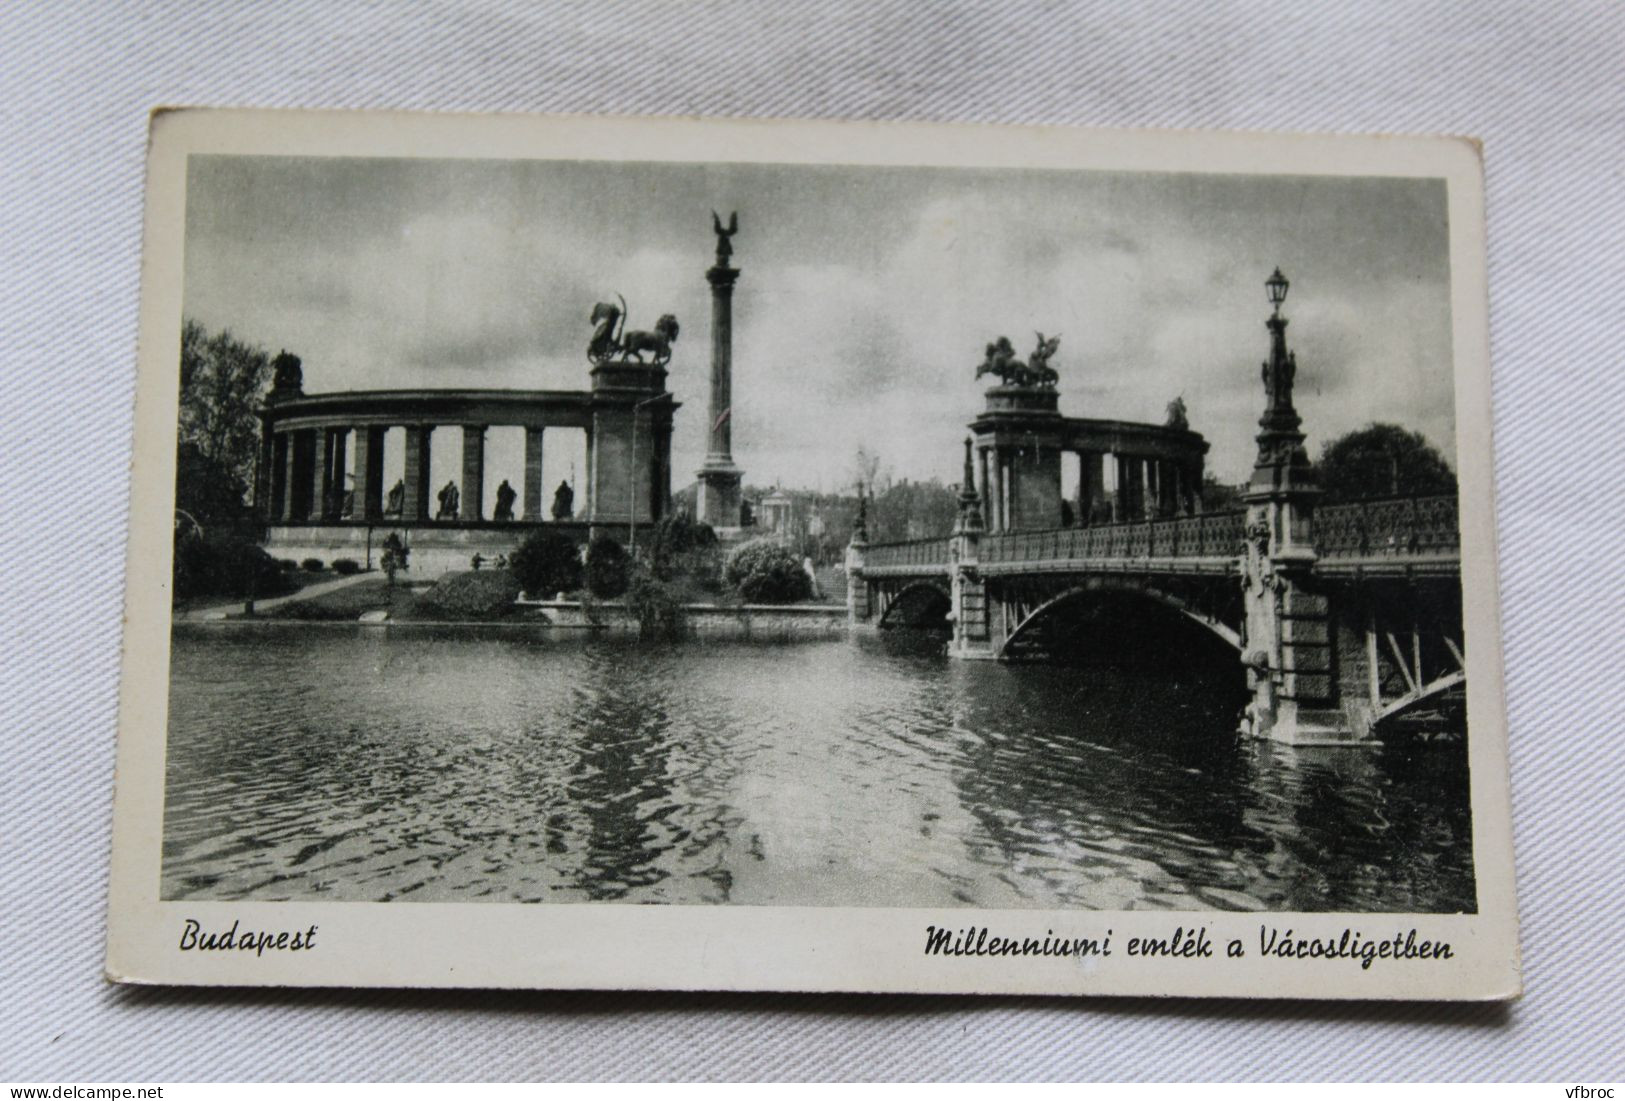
720,479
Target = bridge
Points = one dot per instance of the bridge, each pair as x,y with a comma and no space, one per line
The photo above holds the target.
1344,617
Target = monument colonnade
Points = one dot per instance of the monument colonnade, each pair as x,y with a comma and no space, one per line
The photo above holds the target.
1020,439
309,443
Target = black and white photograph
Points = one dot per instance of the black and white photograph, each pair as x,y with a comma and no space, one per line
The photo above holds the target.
1068,554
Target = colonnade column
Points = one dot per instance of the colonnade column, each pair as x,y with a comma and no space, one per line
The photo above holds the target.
1001,512
415,500
290,454
471,502
369,473
329,497
262,472
1093,477
589,506
277,472
982,488
1168,488
1136,488
534,489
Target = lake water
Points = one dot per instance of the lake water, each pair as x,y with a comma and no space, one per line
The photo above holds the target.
466,764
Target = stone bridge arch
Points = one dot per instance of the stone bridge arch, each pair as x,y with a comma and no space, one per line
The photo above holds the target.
1029,618
897,603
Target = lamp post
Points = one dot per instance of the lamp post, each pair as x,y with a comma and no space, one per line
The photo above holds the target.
632,477
1277,285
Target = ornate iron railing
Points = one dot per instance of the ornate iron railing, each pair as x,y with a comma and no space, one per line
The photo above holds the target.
915,552
1363,529
1214,535
1398,526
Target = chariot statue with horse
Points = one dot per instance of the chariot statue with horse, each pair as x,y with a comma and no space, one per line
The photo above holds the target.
1001,360
611,343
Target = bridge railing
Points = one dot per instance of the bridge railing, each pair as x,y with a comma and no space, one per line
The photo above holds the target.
1213,535
1396,526
915,552
1362,529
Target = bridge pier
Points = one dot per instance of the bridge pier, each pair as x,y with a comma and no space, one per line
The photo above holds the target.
972,637
1289,634
859,598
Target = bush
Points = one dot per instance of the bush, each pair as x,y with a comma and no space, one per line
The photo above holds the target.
480,593
608,568
546,563
657,605
765,571
683,547
311,565
225,565
287,564
346,566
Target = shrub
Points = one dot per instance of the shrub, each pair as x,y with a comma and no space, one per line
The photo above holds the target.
607,570
395,557
480,593
346,566
765,571
656,604
546,563
224,565
683,547
287,564
311,565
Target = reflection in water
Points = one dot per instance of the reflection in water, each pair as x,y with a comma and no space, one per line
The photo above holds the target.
446,764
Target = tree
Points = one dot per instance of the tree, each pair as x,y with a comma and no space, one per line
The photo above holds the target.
1383,460
912,510
609,568
221,383
1218,496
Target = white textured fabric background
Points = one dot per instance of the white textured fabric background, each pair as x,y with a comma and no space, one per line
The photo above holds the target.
1542,84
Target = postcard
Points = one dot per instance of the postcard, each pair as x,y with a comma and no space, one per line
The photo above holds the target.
757,555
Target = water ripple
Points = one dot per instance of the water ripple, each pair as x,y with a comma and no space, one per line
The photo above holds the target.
458,766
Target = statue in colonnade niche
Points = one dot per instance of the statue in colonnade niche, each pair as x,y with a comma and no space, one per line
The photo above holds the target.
396,499
564,499
448,497
505,499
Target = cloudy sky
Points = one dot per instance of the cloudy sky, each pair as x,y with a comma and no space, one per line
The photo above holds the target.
867,294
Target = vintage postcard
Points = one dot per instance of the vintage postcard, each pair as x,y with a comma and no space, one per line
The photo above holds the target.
809,556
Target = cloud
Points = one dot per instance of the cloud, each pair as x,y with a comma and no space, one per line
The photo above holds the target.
866,297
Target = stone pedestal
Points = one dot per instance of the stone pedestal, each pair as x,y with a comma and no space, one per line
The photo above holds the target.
1019,435
720,494
858,607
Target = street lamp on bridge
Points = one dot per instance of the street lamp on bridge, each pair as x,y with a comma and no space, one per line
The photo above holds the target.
1277,285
